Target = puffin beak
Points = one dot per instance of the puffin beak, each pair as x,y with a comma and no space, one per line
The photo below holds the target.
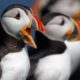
27,37
38,25
79,24
70,32
77,16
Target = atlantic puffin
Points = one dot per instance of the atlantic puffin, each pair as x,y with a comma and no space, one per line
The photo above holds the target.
42,8
68,7
60,66
16,24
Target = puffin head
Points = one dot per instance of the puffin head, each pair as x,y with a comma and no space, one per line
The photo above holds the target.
60,27
18,22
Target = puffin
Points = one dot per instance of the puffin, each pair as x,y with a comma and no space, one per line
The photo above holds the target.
62,66
45,48
16,25
58,52
68,7
42,8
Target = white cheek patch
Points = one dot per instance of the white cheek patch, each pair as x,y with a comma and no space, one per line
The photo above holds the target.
56,20
26,20
11,25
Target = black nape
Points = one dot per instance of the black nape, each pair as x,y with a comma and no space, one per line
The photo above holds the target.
45,43
45,47
2,35
8,44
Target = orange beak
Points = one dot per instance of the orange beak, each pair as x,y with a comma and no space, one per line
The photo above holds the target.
40,27
69,33
26,32
26,36
79,24
76,16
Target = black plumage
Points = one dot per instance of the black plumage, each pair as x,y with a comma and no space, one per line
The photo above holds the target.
8,44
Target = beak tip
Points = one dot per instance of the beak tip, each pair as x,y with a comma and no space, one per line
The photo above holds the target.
35,47
41,27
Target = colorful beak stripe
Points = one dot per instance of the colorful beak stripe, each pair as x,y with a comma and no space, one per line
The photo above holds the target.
73,35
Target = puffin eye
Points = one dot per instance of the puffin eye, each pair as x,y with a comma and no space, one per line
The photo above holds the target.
18,16
63,22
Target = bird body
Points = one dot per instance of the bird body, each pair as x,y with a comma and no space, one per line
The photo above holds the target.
15,29
74,51
15,66
54,67
60,66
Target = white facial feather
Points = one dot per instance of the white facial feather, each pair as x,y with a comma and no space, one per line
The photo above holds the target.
55,31
12,25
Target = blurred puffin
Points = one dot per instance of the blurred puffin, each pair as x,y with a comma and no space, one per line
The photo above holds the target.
45,48
60,66
16,25
41,8
68,7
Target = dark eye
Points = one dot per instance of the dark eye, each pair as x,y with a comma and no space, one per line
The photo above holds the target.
63,22
18,16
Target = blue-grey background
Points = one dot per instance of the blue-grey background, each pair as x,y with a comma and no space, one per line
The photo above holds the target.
6,3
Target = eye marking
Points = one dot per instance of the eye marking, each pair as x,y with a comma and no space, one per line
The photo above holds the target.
62,23
18,15
58,21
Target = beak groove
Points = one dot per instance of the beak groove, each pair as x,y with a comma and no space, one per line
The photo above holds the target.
39,25
26,36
